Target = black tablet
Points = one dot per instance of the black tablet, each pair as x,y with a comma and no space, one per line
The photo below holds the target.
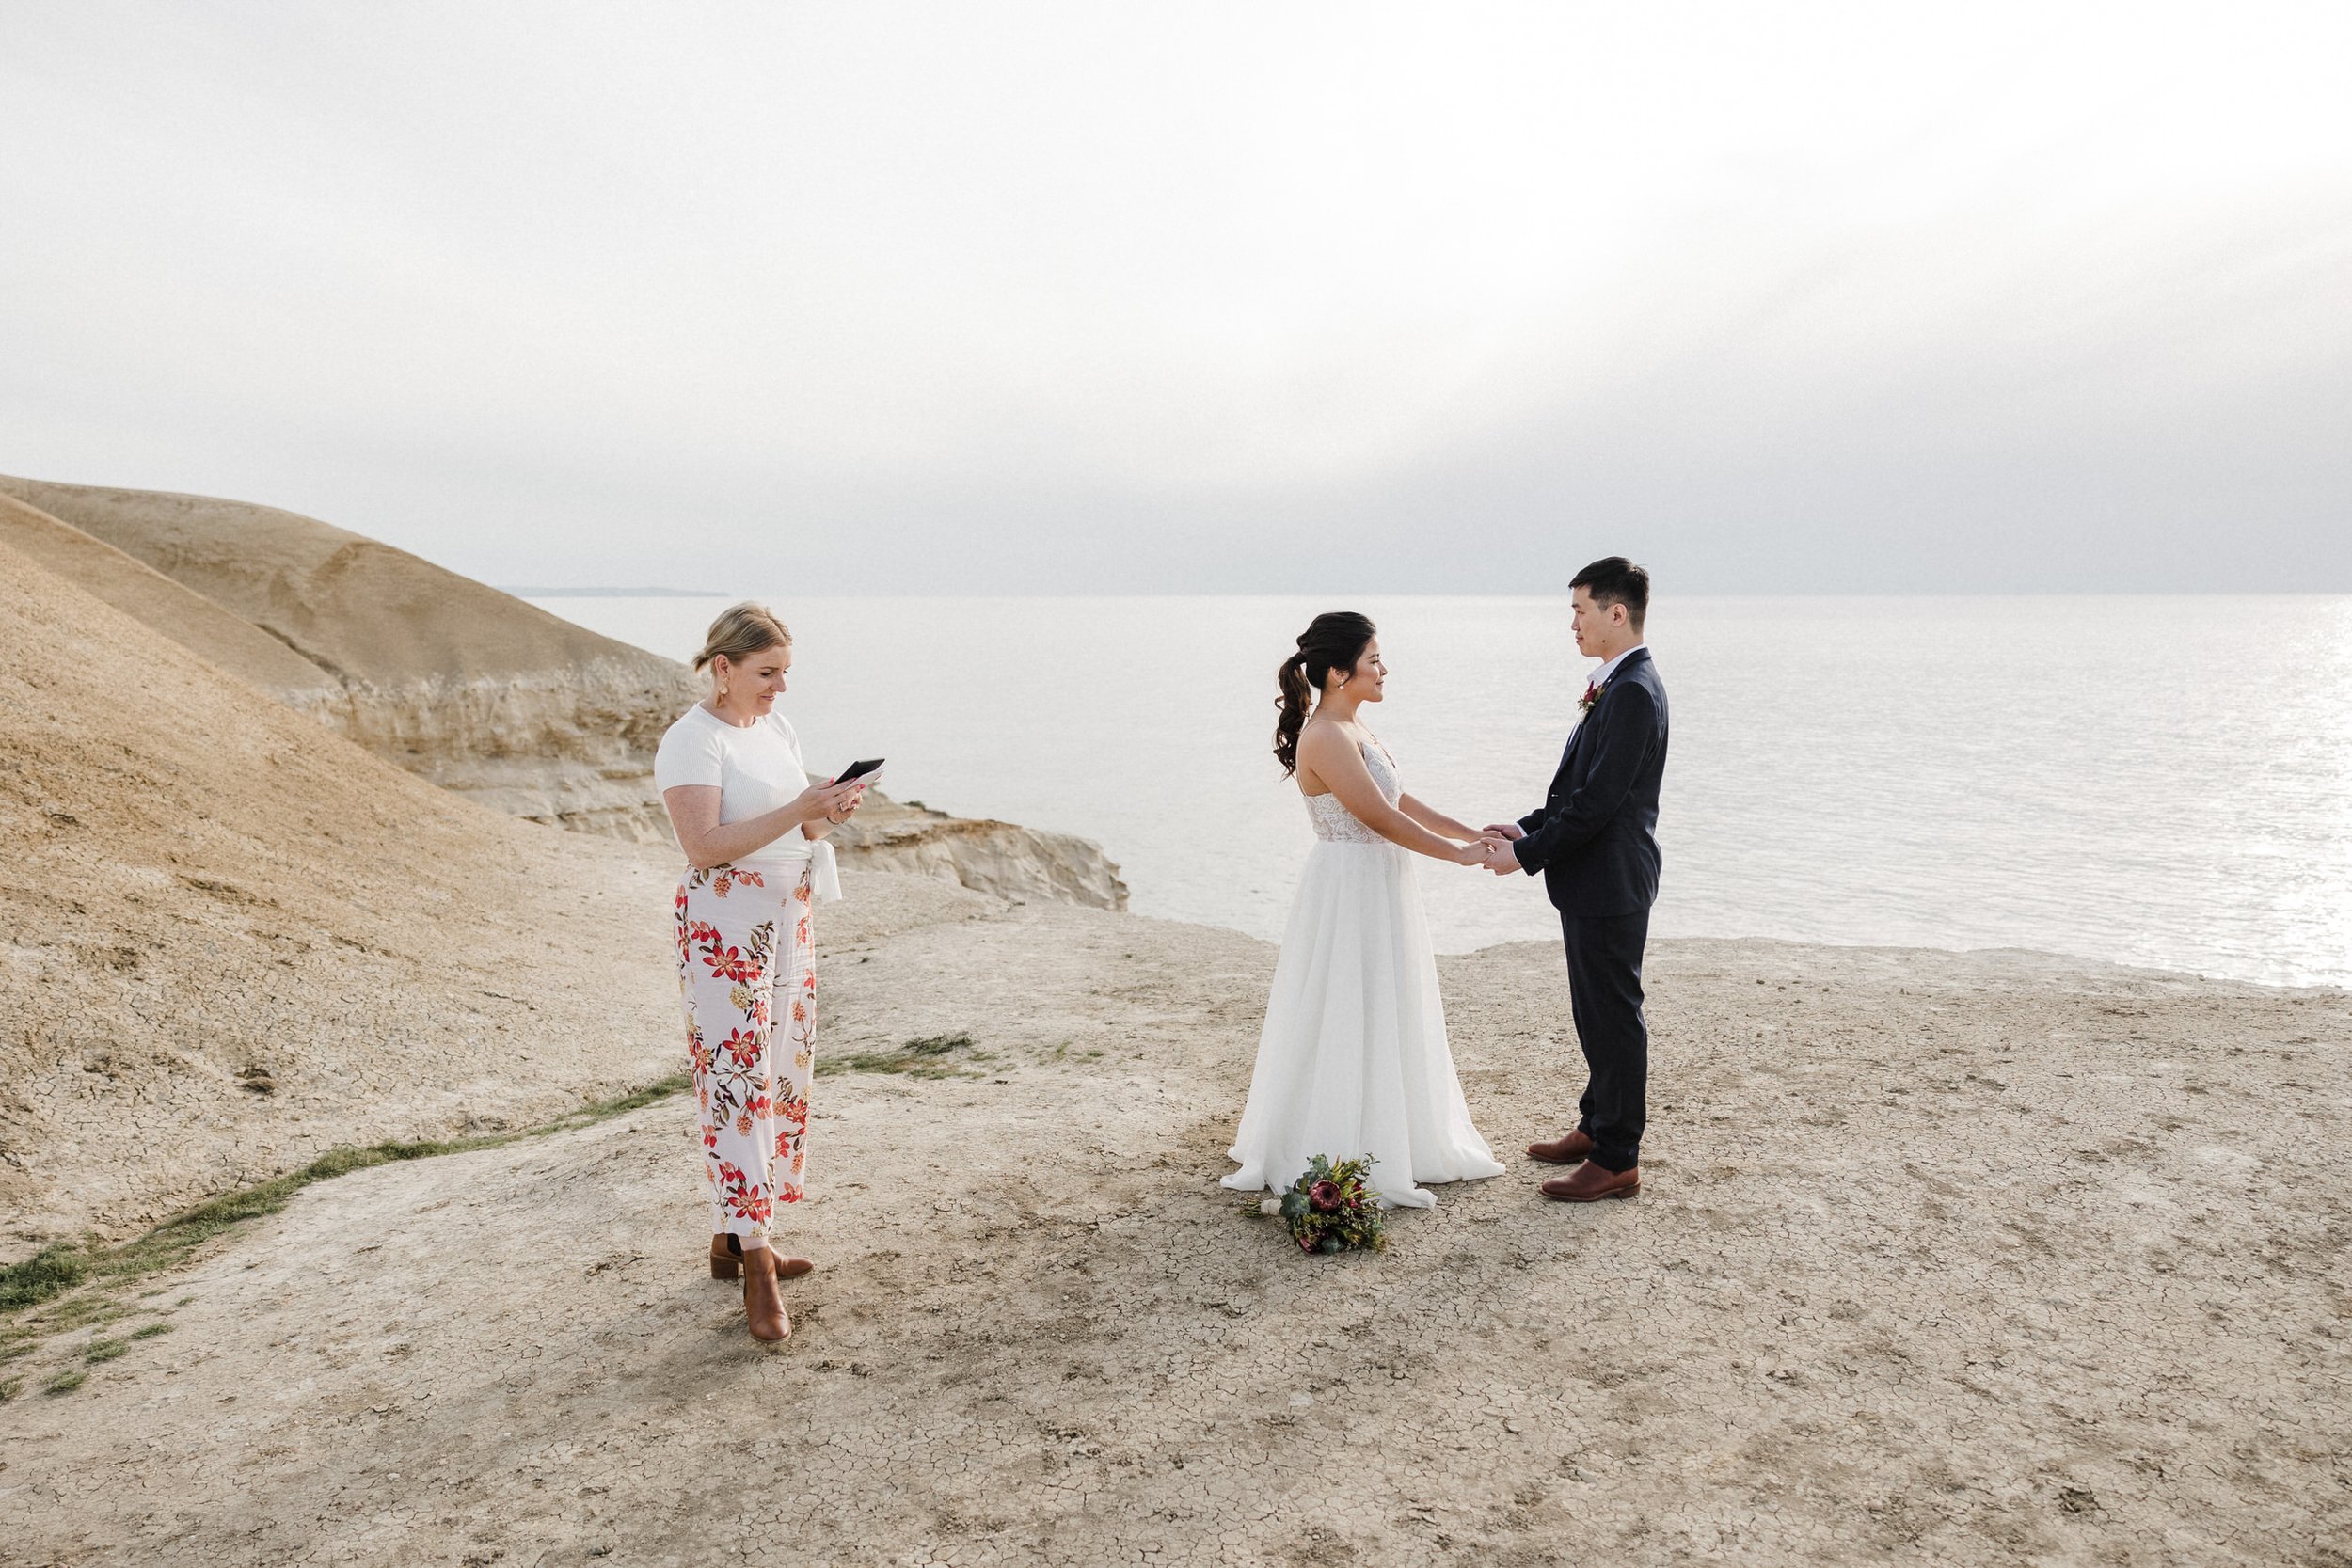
858,770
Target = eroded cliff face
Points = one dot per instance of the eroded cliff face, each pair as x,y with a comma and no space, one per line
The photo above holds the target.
456,682
451,679
571,747
1001,858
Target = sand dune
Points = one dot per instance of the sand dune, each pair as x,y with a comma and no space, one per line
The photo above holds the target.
349,604
237,938
167,609
447,677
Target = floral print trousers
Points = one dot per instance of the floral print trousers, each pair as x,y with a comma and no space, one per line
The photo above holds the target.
745,952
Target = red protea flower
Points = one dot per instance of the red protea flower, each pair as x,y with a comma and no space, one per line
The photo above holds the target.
1324,1197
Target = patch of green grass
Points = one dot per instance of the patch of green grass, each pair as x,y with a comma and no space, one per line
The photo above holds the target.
927,1058
150,1331
104,1350
49,1273
101,1274
65,1383
84,1312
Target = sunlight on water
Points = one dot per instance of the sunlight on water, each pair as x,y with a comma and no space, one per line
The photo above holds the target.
2090,776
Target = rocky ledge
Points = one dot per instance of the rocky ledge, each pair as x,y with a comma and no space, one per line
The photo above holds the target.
999,857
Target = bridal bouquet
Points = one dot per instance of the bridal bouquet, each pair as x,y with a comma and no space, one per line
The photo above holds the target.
1332,1208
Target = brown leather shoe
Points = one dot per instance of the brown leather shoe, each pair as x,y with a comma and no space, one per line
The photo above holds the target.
727,1259
763,1306
1575,1148
1589,1183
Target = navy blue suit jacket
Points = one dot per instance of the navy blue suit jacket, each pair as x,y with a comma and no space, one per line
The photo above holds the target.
1596,837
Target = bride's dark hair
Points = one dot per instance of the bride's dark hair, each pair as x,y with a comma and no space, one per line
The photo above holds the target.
1333,640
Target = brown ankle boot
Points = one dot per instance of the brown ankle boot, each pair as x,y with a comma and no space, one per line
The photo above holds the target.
1591,1183
763,1306
727,1259
1573,1149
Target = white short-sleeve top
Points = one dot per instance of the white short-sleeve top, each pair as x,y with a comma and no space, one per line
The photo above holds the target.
755,767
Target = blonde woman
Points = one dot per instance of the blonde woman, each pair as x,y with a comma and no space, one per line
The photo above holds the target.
753,827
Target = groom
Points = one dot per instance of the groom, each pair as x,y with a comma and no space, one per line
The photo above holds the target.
1594,838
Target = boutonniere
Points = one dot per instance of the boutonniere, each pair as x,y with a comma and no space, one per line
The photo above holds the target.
1591,695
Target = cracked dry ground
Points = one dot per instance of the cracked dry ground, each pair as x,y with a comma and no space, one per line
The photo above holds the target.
1973,1259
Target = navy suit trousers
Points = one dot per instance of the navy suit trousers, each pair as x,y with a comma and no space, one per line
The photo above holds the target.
1605,994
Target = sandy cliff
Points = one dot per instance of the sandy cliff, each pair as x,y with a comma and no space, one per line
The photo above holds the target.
167,609
456,682
449,679
235,938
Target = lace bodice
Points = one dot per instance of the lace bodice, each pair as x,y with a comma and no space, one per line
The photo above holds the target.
1335,821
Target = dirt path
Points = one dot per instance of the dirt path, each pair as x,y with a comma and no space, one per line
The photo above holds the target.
1940,1260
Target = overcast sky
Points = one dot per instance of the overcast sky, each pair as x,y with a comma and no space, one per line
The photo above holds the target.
1263,298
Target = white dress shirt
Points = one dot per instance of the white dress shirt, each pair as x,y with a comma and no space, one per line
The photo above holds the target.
1601,676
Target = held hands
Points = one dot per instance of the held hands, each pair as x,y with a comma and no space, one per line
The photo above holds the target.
1493,849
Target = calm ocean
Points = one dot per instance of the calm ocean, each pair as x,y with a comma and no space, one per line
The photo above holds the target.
2103,777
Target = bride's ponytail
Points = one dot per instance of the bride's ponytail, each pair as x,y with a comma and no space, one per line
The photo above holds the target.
1293,701
1334,641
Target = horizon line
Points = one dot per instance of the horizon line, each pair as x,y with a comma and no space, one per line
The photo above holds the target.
835,593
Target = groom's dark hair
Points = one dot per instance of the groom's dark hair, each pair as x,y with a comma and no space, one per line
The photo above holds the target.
1614,579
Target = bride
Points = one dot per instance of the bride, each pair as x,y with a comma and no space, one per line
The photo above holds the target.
1352,1058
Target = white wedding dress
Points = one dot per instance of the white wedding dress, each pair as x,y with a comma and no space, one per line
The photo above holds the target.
1352,1058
